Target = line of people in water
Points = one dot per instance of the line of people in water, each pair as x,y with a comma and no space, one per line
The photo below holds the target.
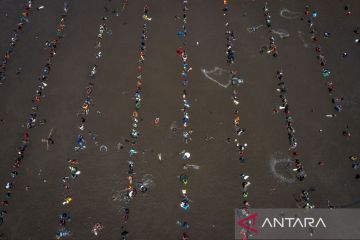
23,19
32,120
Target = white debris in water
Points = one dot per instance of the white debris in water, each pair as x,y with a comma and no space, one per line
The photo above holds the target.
288,14
187,166
281,33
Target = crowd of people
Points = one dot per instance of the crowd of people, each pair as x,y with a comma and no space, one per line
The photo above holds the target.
326,73
23,19
187,131
80,141
284,106
337,101
36,101
236,81
271,48
133,186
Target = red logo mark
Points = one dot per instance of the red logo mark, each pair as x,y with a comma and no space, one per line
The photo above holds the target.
251,220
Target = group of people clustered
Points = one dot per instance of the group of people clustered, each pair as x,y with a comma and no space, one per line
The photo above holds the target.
187,131
320,56
132,187
37,100
236,81
80,142
14,38
293,143
282,89
284,106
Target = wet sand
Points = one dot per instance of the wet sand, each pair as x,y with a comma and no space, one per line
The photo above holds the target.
214,189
